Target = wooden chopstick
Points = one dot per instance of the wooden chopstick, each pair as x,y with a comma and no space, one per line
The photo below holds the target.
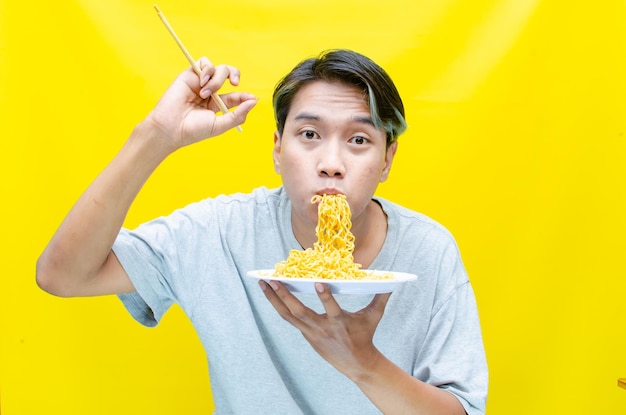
192,61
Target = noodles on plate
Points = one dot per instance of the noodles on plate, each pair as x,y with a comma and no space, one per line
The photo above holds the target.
331,256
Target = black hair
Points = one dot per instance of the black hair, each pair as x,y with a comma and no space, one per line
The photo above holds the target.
350,68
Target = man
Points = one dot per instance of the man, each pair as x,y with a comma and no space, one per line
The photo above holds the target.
338,118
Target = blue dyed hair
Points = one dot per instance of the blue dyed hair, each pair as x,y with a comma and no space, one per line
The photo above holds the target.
353,69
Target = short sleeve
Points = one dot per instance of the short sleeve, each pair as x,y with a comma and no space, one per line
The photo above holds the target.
454,348
143,264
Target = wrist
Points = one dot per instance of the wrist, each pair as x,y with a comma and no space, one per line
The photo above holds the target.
369,371
151,141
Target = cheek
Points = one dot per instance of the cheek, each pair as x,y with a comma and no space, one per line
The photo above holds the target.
367,182
297,162
374,170
293,173
369,178
287,166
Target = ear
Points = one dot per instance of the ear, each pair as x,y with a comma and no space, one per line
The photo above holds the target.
276,152
389,155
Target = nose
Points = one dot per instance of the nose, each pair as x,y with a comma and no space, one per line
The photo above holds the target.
331,161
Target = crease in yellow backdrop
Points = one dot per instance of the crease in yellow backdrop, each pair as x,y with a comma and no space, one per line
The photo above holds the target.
516,143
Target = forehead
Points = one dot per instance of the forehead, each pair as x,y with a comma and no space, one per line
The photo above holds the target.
329,97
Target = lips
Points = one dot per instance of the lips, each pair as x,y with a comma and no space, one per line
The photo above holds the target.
329,191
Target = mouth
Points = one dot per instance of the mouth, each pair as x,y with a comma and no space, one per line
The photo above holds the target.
328,191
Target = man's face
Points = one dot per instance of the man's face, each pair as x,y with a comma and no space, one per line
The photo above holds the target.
330,145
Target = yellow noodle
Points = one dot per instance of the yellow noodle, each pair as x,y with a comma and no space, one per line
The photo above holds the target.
331,256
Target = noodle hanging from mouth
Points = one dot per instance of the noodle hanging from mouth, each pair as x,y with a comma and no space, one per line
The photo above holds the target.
331,256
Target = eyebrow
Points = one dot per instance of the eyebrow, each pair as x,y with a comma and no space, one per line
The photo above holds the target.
364,120
306,116
312,117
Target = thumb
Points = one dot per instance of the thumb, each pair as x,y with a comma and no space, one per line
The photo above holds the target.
240,113
236,117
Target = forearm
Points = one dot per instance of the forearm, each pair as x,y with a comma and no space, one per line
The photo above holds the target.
81,247
394,391
391,389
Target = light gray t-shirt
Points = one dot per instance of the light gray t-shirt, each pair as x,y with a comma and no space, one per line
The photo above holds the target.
259,364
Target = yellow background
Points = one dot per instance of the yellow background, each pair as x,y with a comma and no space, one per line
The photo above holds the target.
517,115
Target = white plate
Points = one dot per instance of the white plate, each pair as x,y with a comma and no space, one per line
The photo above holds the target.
361,286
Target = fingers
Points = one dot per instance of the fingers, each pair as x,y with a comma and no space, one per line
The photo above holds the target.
328,301
213,77
270,294
287,305
243,103
296,313
206,70
376,308
239,99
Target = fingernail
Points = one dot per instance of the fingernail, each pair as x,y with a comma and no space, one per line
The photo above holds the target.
205,93
204,80
319,287
274,285
263,285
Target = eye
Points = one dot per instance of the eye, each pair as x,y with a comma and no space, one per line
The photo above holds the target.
359,140
309,135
